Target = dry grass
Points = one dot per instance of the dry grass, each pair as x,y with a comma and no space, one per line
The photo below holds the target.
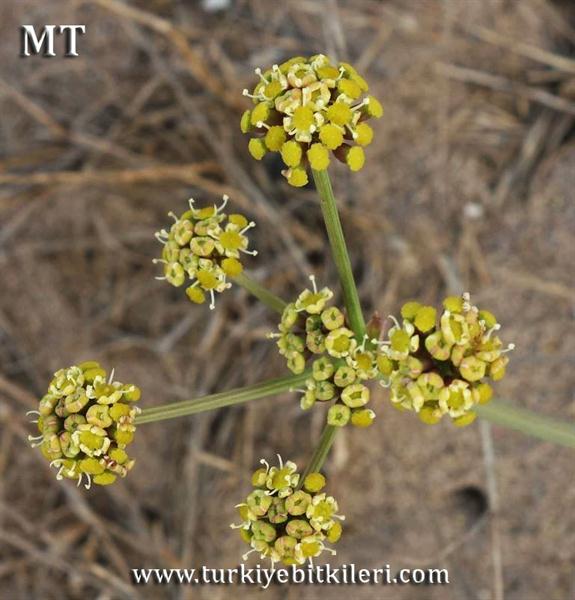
469,185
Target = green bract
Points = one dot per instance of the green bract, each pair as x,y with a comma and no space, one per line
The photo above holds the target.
203,248
85,421
286,524
306,109
438,367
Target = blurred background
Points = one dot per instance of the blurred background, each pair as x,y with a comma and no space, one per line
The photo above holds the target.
469,185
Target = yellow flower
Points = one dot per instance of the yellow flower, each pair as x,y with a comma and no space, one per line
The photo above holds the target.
312,330
85,421
204,247
307,107
439,368
286,524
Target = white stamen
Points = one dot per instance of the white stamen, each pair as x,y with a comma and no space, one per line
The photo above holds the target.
213,300
173,216
111,377
258,72
89,484
245,556
363,103
160,278
395,321
495,327
248,226
225,199
312,279
354,133
36,440
33,412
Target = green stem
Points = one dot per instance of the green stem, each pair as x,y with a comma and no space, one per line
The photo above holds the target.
321,451
528,422
229,398
339,251
272,301
350,296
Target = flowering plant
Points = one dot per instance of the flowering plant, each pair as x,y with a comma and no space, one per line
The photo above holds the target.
434,364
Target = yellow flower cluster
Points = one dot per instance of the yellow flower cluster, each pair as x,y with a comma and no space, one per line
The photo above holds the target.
85,422
310,328
438,366
204,246
284,523
307,108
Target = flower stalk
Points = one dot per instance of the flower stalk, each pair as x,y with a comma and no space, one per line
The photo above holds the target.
267,298
528,422
219,400
342,262
321,450
339,251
